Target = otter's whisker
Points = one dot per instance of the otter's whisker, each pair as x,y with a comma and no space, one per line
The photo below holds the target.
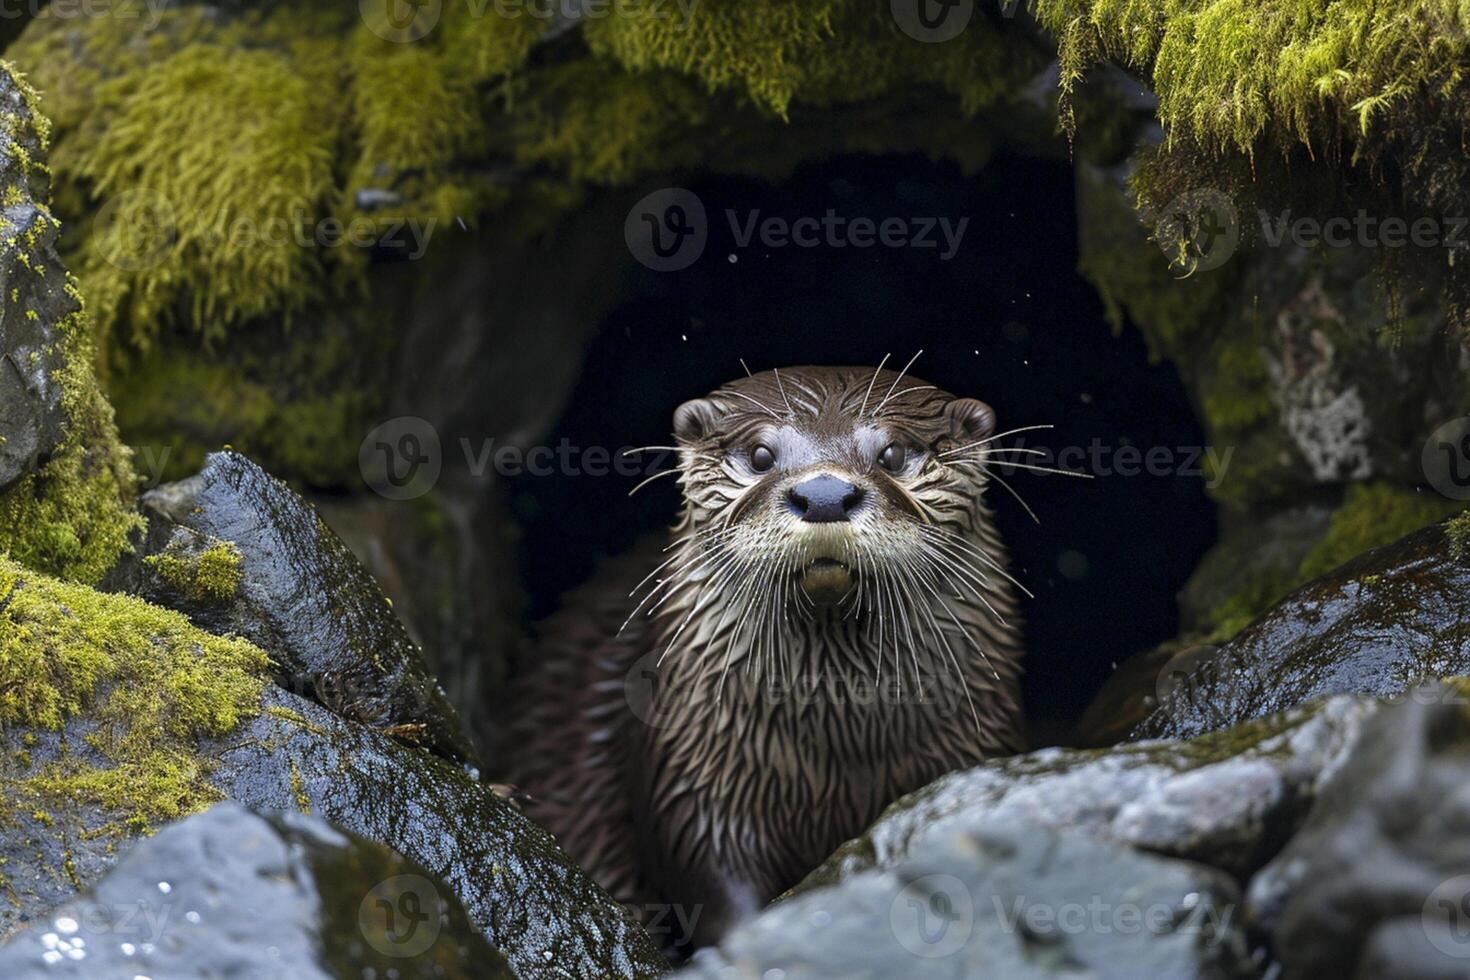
897,380
790,412
998,435
863,410
1024,466
655,476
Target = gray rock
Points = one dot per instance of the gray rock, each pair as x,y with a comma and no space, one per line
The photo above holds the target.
306,600
1373,626
1229,800
1388,840
529,899
228,893
32,301
997,899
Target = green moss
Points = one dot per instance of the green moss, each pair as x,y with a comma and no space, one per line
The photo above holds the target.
821,53
212,576
73,516
1457,533
150,683
1371,515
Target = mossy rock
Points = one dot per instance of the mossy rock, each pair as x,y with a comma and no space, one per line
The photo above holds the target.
105,699
66,484
231,893
240,552
1373,626
123,716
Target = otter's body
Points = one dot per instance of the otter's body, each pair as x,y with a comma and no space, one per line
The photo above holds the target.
830,626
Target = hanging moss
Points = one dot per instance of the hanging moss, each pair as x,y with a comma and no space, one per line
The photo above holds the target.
149,684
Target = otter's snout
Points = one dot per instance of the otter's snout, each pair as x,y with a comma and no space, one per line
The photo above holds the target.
823,499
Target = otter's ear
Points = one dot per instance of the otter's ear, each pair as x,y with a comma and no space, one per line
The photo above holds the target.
695,420
969,419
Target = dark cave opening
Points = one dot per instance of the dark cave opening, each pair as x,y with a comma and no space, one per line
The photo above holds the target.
1006,318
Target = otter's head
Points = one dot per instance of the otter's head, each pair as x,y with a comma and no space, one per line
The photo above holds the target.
834,480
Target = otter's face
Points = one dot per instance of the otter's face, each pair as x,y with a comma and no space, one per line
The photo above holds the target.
830,478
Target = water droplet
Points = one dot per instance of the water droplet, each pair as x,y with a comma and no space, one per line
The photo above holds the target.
165,887
192,916
128,949
51,956
66,924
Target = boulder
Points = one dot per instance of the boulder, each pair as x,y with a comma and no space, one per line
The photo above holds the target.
998,899
1378,879
121,717
1229,800
229,892
300,594
1372,626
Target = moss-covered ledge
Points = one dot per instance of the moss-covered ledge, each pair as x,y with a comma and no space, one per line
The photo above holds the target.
146,684
71,514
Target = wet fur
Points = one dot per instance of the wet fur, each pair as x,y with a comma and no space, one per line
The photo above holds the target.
738,787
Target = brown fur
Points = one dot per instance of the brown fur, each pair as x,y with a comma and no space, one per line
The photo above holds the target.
758,753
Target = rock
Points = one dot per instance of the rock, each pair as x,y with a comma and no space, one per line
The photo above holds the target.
1229,799
998,899
231,893
519,888
1388,843
120,717
31,305
1372,626
303,597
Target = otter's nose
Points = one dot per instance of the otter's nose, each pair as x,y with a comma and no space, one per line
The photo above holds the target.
824,498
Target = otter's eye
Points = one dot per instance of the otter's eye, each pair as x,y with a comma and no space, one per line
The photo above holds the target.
762,458
893,457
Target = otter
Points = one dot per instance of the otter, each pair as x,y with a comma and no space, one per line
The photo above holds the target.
830,625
